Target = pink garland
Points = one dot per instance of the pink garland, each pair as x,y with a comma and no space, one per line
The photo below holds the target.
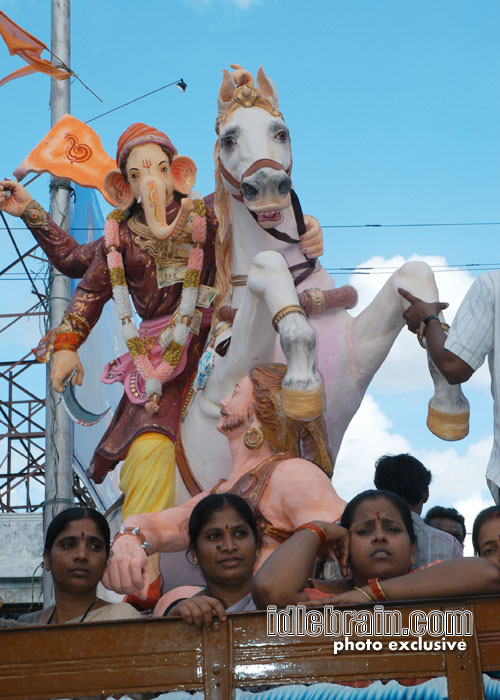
115,261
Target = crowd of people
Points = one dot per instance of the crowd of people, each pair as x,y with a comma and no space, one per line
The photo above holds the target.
383,549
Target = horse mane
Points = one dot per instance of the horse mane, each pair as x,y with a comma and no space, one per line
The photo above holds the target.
224,236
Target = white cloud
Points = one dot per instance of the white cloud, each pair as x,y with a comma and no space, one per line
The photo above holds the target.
367,437
458,480
406,352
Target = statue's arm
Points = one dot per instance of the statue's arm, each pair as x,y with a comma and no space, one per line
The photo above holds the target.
165,531
83,312
68,256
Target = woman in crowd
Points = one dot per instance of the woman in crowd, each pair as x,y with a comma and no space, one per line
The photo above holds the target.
486,535
375,545
223,542
76,551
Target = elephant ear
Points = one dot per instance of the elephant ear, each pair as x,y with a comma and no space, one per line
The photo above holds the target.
118,190
183,173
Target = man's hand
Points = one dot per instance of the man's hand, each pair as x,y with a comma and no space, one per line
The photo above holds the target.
13,197
127,570
199,611
419,310
64,363
311,243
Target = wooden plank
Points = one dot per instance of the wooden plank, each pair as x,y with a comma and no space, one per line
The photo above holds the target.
161,655
217,661
106,657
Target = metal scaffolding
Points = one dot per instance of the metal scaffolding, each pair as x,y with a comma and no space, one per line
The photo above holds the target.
22,379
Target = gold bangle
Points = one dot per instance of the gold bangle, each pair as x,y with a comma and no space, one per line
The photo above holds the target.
291,309
367,595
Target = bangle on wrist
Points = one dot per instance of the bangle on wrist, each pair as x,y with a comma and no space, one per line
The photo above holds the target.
317,529
365,593
423,328
135,531
377,589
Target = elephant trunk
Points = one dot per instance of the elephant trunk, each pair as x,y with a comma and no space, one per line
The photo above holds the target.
154,202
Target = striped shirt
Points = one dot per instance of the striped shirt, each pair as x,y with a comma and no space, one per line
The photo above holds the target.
474,334
433,544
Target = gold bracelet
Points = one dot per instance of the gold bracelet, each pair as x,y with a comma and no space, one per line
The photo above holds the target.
291,309
367,595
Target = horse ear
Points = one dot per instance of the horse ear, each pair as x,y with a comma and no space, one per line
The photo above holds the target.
183,173
119,192
267,88
225,95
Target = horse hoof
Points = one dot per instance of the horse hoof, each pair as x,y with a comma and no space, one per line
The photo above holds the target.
448,426
302,405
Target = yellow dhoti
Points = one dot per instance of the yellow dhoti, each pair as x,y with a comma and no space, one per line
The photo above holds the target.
147,480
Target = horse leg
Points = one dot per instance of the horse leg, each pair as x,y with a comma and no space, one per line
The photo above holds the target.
270,281
375,330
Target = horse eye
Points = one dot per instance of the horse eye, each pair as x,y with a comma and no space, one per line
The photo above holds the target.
281,136
228,142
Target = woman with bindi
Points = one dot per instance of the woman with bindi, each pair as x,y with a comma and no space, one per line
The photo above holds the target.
223,543
375,544
76,552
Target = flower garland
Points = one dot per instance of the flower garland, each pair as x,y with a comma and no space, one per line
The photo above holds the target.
174,337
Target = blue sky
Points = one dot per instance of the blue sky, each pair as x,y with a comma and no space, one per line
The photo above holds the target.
394,111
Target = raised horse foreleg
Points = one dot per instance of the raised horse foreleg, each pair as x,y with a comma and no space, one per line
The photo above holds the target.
375,330
269,290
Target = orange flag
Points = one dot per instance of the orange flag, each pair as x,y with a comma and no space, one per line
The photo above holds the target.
28,48
70,150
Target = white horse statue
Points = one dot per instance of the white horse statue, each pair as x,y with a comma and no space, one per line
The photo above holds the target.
254,199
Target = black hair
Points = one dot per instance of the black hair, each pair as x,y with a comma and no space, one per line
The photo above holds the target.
62,520
203,510
350,509
482,517
442,512
404,475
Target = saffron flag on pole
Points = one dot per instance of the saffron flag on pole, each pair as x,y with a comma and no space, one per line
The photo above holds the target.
70,150
29,49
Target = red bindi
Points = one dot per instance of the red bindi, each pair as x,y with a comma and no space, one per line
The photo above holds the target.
82,536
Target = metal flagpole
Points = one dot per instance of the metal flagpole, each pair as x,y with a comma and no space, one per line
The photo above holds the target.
59,428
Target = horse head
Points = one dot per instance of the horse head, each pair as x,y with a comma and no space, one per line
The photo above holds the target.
253,153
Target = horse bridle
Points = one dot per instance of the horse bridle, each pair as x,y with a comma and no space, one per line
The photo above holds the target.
305,268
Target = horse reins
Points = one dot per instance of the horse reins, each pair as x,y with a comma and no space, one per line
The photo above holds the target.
305,268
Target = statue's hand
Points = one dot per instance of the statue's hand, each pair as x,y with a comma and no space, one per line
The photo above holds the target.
64,363
13,197
127,570
311,243
419,310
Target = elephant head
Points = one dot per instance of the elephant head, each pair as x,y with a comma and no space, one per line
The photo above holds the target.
150,171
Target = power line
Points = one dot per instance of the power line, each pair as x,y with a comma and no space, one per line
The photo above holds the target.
424,225
180,83
462,223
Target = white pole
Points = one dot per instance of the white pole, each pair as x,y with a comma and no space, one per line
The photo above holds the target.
59,428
